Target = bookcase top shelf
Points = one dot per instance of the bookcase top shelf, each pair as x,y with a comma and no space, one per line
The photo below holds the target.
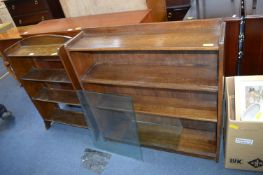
188,35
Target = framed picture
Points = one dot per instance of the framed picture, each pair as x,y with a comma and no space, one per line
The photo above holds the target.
249,98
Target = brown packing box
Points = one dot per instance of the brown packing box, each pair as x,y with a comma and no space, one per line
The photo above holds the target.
243,140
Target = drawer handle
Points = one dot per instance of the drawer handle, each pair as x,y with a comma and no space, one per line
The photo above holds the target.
170,14
13,7
20,21
36,2
42,18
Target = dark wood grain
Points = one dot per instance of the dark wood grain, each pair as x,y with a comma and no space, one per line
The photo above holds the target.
30,19
29,12
252,61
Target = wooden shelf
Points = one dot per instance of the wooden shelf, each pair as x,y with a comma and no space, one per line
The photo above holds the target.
190,141
57,96
154,76
208,115
47,75
35,50
68,117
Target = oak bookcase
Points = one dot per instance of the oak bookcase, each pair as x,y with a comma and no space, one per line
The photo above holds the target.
41,66
172,71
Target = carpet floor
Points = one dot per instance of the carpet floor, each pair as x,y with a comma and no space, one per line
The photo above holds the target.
27,148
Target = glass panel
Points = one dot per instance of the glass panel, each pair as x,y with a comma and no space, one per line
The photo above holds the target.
159,131
113,122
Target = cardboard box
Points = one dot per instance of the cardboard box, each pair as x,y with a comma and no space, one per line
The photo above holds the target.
243,140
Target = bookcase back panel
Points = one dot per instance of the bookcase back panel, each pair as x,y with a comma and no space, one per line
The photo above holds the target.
21,70
170,122
175,58
63,86
81,62
84,60
45,64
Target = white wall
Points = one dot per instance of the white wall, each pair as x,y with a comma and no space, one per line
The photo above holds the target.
4,14
74,8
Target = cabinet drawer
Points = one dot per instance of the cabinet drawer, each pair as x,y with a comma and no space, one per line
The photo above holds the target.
19,7
177,13
170,3
32,18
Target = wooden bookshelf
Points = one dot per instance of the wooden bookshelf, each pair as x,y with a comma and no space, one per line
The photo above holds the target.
47,75
190,141
173,73
37,63
68,118
167,77
57,96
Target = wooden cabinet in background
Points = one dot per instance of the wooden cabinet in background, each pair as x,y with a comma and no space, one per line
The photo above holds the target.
177,9
28,12
72,26
173,72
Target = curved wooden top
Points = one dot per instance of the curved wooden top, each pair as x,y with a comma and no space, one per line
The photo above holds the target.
39,45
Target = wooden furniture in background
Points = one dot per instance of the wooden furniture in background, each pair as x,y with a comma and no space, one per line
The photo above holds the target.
158,8
8,38
72,26
173,71
252,63
28,12
177,9
74,8
38,64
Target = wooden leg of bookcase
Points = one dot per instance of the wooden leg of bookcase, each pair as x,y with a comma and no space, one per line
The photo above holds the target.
47,124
